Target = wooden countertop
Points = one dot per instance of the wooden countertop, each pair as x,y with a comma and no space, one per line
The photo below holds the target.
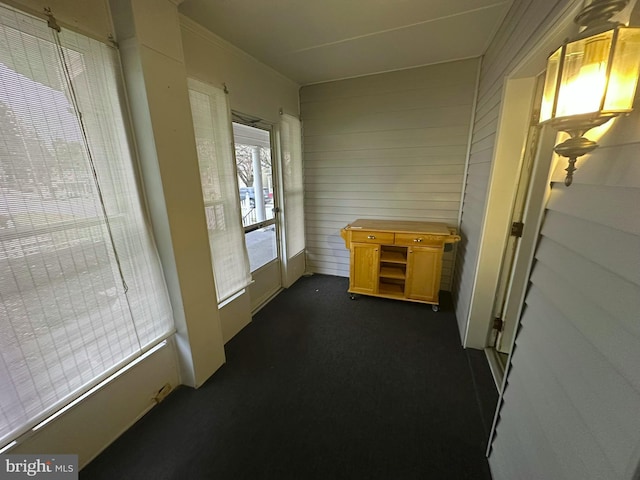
401,226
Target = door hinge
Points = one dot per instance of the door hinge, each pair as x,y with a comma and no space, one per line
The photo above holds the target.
516,229
498,324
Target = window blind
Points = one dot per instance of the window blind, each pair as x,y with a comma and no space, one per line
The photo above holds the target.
292,184
81,286
214,142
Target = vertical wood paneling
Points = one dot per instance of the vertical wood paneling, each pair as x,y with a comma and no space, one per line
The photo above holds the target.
387,146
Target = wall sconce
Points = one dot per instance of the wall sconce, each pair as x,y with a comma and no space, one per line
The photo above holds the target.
591,78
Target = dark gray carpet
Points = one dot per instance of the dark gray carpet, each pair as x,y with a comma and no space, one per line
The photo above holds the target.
322,387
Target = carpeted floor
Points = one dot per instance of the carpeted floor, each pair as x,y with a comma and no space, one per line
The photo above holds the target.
322,387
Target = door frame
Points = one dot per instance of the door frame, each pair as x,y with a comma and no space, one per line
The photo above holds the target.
267,279
513,125
535,204
502,339
511,137
295,266
539,188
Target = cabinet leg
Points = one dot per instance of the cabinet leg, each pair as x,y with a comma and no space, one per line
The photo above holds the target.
435,308
352,296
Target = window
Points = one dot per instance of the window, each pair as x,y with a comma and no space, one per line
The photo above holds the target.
81,286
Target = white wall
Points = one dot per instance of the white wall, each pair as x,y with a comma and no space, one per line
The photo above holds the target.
574,386
524,27
389,146
90,426
148,34
90,17
255,90
571,404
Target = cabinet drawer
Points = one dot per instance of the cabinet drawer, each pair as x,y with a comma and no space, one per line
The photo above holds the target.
417,239
372,237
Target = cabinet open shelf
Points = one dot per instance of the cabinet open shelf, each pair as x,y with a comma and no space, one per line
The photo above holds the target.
393,255
389,271
391,289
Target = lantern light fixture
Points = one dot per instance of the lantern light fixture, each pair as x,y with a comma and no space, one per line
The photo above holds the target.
591,78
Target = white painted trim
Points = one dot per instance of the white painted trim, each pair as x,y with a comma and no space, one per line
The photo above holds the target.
542,172
232,297
99,386
279,198
267,283
497,370
393,29
513,129
413,67
235,315
265,301
478,322
497,28
551,39
539,192
148,74
93,424
470,141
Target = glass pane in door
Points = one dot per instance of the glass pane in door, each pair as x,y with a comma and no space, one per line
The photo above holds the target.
261,246
255,185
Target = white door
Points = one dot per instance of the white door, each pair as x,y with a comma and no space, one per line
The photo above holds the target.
505,329
259,206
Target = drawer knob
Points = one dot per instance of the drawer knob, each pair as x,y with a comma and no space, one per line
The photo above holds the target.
371,237
417,240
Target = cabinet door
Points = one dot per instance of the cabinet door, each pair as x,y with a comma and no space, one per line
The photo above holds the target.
365,259
424,266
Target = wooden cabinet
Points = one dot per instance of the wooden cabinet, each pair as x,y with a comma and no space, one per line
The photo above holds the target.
397,259
423,274
364,260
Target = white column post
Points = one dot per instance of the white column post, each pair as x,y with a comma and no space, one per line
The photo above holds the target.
257,184
148,33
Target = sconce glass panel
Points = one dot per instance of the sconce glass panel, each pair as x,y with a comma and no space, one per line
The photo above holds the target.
550,85
584,75
625,68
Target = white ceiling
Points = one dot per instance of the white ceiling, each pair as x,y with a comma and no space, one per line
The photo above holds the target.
311,41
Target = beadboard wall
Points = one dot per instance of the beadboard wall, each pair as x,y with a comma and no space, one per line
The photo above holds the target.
574,385
522,28
389,146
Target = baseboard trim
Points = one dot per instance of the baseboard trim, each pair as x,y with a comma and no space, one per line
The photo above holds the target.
497,370
266,300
